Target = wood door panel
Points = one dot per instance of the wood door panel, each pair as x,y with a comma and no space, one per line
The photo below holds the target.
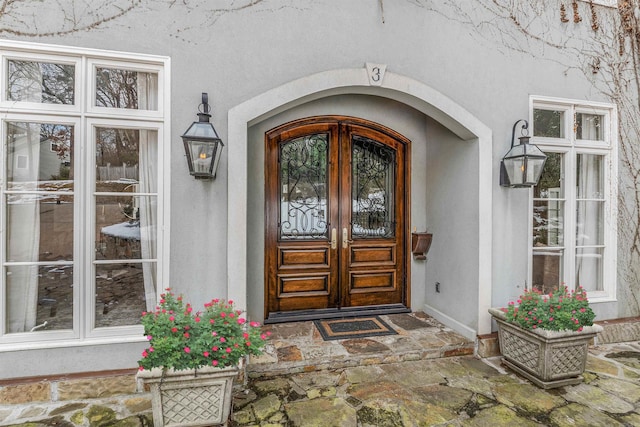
371,255
303,285
378,281
303,257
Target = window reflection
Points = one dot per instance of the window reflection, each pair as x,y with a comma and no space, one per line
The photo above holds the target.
41,82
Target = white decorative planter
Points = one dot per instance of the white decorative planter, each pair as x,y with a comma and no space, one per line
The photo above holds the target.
191,397
549,359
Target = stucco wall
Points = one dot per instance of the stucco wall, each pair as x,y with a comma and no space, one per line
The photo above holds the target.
236,53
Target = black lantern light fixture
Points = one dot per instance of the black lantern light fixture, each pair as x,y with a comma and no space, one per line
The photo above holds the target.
522,165
202,144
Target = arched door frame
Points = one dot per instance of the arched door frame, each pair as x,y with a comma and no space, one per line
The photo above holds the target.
354,81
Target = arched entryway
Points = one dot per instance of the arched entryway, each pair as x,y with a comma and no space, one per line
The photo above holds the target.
336,223
402,89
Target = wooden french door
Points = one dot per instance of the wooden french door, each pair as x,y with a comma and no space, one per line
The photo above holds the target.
336,218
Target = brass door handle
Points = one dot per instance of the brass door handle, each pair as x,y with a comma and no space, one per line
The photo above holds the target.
334,238
345,238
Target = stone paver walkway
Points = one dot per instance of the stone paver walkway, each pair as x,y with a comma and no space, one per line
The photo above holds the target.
453,391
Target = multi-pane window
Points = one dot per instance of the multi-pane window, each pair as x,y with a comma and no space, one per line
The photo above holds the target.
82,166
573,208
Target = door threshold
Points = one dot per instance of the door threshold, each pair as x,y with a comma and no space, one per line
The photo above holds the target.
334,313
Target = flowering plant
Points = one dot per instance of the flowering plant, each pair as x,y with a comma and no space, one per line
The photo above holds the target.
180,338
560,310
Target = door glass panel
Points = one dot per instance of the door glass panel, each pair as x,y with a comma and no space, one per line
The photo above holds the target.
372,189
39,297
39,157
41,82
128,89
548,123
547,269
589,126
303,184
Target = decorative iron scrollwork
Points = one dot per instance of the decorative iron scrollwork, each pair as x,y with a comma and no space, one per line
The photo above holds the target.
372,189
303,188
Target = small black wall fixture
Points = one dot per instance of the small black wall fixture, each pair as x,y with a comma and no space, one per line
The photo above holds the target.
522,165
202,144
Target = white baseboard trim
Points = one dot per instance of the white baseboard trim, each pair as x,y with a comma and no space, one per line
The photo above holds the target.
464,330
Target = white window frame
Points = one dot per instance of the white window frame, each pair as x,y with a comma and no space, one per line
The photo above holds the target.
84,117
96,111
20,106
570,147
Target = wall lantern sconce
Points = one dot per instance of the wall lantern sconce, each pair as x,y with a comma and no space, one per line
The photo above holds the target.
202,144
522,165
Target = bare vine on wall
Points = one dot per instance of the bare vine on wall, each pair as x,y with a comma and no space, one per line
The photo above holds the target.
606,51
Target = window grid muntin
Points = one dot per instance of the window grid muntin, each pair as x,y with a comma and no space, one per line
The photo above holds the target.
33,112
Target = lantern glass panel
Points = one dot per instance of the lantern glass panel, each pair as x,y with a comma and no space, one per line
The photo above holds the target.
202,155
201,130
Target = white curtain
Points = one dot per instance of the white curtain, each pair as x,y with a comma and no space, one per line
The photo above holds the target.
23,226
589,222
148,183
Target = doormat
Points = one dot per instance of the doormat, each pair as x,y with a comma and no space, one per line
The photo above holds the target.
355,327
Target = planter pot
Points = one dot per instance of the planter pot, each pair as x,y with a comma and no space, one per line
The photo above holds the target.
200,397
549,359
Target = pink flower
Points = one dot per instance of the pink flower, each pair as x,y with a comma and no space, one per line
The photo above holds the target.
223,339
228,350
248,344
230,301
214,334
214,363
245,335
223,314
172,318
187,350
149,337
186,334
263,336
241,321
197,319
144,353
214,348
174,329
151,349
254,324
205,354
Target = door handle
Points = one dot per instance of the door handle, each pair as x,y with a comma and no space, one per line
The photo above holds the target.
345,238
334,239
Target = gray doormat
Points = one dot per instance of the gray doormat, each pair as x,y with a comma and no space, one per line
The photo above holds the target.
356,327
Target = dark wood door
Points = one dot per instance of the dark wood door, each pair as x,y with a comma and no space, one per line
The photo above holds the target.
336,209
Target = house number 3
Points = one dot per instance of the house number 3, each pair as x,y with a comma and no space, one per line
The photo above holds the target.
376,73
